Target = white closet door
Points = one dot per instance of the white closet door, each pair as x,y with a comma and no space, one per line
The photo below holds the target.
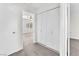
53,28
39,28
49,29
44,29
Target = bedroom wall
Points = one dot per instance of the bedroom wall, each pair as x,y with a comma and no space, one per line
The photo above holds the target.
74,21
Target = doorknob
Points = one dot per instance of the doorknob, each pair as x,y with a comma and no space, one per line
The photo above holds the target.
13,32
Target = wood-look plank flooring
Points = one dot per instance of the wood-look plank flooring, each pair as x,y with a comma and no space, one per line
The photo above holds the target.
74,47
33,49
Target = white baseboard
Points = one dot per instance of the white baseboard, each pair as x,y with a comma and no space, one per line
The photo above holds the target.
15,51
48,47
7,53
74,38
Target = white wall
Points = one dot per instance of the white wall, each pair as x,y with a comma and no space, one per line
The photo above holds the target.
74,21
48,25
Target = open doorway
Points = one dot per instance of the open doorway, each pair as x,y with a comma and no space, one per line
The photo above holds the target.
27,26
28,32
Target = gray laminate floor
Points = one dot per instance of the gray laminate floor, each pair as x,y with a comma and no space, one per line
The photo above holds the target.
74,47
31,49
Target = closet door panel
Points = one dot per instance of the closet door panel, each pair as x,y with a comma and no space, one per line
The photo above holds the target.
50,28
39,28
44,28
53,29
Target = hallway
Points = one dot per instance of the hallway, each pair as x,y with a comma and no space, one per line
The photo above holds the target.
31,49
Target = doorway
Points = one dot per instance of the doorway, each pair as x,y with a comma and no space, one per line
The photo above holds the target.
28,32
27,25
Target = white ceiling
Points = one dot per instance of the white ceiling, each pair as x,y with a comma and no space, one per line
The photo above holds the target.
31,6
35,5
41,5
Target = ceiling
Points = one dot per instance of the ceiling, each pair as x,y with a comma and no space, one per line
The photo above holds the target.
30,6
35,5
41,5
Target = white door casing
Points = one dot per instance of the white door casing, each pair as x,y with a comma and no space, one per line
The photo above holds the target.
68,29
64,29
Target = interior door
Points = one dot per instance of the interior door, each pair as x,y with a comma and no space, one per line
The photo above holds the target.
13,42
53,28
39,27
10,39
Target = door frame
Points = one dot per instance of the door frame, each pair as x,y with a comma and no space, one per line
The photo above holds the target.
68,28
64,29
33,26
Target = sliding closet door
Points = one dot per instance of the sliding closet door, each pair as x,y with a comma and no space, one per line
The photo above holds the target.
52,17
41,27
44,28
48,26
